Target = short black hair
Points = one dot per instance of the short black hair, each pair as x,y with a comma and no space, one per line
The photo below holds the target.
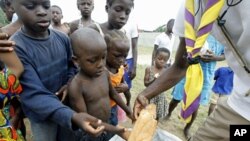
162,49
110,2
57,7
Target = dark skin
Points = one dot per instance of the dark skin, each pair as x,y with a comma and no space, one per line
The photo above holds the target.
36,17
158,67
168,79
91,88
118,14
13,63
132,73
56,20
168,32
208,57
86,8
117,52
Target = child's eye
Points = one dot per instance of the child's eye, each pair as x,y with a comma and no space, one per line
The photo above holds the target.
92,61
30,6
118,9
46,5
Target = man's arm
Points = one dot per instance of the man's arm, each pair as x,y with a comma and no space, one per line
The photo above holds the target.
171,76
168,79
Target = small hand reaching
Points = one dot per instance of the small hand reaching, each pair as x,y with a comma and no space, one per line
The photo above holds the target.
88,123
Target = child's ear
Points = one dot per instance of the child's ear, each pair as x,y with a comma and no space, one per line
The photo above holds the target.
75,61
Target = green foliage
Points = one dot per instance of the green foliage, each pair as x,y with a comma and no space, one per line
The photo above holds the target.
3,19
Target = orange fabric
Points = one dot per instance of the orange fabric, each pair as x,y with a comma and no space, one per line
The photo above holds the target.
116,80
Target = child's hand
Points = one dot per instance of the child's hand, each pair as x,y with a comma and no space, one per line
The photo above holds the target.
5,44
131,116
62,93
121,88
88,123
125,135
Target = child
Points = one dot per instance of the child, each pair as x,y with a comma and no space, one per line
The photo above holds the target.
223,85
118,47
91,88
56,20
151,73
46,57
10,88
118,14
86,8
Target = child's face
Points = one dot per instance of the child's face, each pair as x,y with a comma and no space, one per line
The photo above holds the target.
118,13
117,53
161,59
8,10
35,14
85,6
92,61
56,14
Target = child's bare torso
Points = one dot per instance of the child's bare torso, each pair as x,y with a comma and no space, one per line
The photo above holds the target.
95,92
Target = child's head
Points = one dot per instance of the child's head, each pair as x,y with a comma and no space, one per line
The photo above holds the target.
118,47
34,14
7,8
169,26
161,57
57,15
118,12
90,51
85,7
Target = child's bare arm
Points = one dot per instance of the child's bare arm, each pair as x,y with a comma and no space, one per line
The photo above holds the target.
114,95
10,59
82,119
76,100
147,82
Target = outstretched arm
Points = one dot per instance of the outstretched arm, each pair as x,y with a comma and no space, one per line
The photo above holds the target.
114,95
168,79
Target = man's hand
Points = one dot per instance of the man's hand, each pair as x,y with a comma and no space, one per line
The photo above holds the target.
140,103
88,123
5,44
62,93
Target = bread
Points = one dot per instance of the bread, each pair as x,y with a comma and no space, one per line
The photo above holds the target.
145,125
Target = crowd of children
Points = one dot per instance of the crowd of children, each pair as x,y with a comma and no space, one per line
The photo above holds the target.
72,74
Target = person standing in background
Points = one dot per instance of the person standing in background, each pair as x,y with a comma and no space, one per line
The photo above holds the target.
86,8
164,40
131,60
57,16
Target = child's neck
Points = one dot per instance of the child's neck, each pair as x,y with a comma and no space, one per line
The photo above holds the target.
34,34
158,69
